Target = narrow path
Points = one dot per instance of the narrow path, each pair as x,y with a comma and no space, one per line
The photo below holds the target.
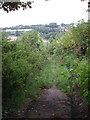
53,103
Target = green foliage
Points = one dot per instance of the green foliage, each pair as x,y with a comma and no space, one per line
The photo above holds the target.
73,49
32,38
81,34
51,48
53,25
55,74
28,66
80,69
47,31
22,62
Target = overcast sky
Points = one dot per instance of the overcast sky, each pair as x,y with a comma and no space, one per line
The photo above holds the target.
45,12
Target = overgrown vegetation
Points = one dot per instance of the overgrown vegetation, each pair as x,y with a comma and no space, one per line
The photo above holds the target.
29,65
72,50
23,60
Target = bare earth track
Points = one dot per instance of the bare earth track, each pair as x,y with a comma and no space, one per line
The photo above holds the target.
53,103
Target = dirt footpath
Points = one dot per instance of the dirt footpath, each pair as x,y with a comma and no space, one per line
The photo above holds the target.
53,103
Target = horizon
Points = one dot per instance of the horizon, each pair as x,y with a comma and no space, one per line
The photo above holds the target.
38,24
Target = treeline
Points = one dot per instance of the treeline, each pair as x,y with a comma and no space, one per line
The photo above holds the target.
48,32
51,31
52,25
22,62
73,50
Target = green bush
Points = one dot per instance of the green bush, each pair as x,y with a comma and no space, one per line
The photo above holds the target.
22,62
73,50
82,80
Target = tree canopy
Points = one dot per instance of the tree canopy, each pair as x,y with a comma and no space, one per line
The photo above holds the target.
14,5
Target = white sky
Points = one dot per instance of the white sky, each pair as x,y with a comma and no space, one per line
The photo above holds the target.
44,12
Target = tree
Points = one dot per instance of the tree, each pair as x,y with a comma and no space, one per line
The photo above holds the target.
53,25
17,33
14,5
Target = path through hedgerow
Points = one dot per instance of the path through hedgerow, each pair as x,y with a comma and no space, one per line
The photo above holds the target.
53,101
